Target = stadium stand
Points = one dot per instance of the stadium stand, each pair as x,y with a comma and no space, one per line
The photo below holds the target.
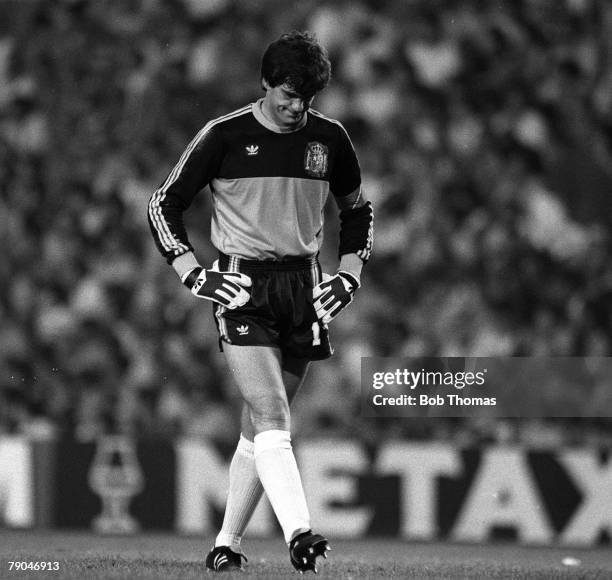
485,135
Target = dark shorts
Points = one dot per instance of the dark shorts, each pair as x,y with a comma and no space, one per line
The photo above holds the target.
280,312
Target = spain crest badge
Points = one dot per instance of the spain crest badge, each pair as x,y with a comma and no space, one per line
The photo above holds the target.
315,159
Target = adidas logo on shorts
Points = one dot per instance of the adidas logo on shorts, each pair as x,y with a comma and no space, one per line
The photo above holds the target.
242,330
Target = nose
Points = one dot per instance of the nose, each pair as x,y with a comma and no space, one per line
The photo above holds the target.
297,105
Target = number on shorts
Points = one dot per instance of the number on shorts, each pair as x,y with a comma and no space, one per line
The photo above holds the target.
316,334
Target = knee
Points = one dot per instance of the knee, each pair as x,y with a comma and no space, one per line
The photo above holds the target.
271,413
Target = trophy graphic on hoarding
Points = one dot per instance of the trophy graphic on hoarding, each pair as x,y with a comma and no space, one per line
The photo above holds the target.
116,477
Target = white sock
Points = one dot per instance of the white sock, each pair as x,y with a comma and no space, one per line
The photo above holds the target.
278,472
245,491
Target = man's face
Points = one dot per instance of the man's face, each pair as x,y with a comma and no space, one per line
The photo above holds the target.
284,106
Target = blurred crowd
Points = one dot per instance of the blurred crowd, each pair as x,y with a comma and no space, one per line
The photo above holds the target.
484,131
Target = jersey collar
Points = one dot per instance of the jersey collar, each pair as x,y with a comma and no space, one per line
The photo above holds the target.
261,118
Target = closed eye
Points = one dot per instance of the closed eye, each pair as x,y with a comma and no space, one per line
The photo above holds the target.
291,95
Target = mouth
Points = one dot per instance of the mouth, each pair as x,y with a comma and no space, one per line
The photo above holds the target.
294,116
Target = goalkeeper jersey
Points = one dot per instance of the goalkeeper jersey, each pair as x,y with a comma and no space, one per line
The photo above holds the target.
268,186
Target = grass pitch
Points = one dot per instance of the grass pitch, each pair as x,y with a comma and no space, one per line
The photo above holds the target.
84,556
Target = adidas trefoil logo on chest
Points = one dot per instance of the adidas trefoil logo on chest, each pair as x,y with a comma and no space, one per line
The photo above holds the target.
252,150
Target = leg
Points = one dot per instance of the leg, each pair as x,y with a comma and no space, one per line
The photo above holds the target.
245,489
258,372
294,372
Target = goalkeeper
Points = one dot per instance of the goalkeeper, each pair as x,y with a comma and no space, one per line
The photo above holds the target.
270,167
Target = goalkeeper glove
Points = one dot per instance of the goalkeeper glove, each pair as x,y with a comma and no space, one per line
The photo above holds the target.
225,288
334,294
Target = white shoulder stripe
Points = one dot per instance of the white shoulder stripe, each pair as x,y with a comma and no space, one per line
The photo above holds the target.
322,116
334,121
167,239
194,142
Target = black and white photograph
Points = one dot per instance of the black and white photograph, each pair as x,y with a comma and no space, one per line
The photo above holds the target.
306,287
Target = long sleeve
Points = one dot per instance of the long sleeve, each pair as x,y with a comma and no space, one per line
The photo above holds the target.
198,164
346,176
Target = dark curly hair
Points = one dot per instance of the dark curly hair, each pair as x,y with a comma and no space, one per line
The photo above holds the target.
298,60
